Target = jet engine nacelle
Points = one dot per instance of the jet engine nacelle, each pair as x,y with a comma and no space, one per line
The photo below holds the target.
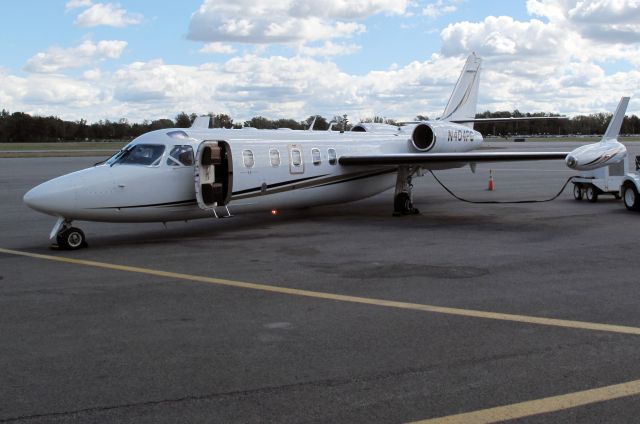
443,137
596,155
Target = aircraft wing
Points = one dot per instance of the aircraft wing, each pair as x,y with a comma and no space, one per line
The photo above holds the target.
431,158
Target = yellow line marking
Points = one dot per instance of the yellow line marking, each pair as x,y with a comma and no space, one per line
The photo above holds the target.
540,406
582,325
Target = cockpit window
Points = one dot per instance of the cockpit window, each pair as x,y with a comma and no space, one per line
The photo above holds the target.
139,154
180,156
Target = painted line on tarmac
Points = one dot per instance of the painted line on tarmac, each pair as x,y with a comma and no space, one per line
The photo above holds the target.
581,325
540,406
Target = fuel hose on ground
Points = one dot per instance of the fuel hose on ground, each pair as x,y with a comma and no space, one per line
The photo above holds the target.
503,202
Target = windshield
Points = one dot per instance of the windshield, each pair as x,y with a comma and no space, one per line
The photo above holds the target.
139,154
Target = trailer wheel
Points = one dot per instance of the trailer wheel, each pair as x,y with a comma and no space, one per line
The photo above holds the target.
592,193
577,192
630,196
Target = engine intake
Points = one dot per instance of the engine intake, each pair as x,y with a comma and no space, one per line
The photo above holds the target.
423,137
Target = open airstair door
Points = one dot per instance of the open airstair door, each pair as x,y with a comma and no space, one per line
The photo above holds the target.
213,174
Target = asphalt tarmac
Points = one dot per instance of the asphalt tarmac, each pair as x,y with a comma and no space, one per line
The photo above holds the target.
352,315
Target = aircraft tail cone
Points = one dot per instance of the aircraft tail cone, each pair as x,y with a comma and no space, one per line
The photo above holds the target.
490,186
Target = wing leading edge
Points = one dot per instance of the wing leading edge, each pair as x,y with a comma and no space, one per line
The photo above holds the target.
427,158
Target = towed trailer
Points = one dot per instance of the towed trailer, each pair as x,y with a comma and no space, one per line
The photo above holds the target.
615,180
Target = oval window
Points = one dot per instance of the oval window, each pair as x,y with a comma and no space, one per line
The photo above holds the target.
333,158
274,155
315,154
296,157
247,158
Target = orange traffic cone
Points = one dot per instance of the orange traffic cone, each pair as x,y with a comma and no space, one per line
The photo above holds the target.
490,187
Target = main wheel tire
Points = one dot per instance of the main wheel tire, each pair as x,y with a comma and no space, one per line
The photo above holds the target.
578,194
71,239
592,193
630,197
402,204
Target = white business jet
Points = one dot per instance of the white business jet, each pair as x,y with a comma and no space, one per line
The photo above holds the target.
185,174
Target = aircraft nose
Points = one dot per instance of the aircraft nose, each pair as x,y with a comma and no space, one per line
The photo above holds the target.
571,161
55,197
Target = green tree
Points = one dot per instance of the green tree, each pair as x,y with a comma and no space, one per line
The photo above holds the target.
260,122
183,120
222,121
321,123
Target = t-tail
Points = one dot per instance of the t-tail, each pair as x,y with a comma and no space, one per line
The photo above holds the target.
464,99
607,151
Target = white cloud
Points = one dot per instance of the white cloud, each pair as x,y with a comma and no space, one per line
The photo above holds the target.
108,14
297,87
500,36
612,21
440,7
329,49
242,86
76,4
555,61
92,74
56,59
48,94
217,48
287,21
347,9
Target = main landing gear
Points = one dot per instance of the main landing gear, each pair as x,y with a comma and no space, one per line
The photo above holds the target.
402,201
66,236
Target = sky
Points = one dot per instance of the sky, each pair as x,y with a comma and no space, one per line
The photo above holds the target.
145,60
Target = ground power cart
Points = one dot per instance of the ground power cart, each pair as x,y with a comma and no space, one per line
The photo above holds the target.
615,180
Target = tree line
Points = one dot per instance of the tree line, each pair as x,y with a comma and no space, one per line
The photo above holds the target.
22,127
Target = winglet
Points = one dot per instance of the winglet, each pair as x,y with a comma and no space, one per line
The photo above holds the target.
201,122
616,121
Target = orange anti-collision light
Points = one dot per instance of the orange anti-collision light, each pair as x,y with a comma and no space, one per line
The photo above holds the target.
274,212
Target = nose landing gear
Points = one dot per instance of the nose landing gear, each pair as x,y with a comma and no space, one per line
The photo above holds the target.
67,237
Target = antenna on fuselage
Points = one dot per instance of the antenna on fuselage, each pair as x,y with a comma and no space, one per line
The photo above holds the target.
312,123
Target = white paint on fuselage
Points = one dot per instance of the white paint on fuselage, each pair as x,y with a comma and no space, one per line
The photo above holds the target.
162,193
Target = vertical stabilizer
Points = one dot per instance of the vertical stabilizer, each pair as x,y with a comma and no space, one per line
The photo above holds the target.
201,122
616,121
464,99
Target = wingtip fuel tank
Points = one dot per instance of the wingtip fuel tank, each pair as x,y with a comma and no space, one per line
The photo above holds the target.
607,152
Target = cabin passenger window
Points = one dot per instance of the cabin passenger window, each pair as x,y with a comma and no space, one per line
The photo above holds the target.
274,155
139,154
315,154
180,156
333,158
296,157
247,158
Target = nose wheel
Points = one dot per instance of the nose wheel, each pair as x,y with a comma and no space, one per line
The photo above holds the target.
68,237
71,239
